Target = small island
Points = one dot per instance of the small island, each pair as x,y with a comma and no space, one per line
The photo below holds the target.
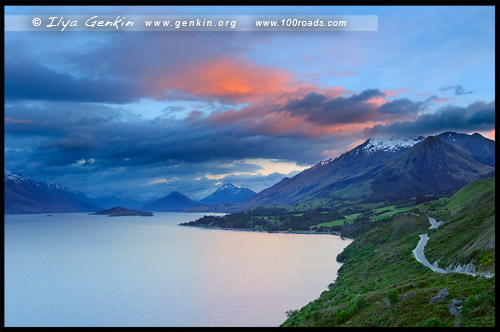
119,211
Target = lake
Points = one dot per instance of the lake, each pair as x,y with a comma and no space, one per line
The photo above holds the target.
75,269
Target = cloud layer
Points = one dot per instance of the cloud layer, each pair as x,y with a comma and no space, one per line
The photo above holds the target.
149,113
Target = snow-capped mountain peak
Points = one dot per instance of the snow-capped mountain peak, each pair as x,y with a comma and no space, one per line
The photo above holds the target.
390,144
8,175
17,178
321,164
228,193
227,186
374,145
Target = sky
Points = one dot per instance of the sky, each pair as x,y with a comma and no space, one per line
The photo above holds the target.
147,113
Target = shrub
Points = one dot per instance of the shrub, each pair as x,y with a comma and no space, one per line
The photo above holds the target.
342,316
358,304
392,295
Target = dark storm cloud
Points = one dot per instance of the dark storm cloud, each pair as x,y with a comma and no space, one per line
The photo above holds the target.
30,80
485,116
340,110
55,118
143,157
77,143
458,89
33,130
354,109
120,68
401,106
112,141
367,94
478,116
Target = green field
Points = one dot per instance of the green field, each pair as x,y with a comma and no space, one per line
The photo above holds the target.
390,212
349,219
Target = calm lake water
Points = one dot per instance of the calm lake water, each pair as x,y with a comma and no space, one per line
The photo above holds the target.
74,269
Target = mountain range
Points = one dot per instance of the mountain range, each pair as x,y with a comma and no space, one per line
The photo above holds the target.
376,170
480,148
385,169
25,195
228,193
176,201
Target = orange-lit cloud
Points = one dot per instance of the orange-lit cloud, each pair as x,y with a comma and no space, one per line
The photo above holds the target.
229,79
487,134
233,79
283,115
270,92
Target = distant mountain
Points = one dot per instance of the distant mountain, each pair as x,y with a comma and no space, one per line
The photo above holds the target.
174,201
384,169
108,201
480,148
26,195
228,193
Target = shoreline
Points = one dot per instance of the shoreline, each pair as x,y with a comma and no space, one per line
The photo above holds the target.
262,231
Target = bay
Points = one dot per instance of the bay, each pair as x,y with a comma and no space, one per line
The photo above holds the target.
75,269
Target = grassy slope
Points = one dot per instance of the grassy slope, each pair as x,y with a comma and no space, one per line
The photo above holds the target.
381,284
468,232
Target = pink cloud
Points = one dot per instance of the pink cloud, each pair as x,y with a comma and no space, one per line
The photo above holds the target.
442,100
395,92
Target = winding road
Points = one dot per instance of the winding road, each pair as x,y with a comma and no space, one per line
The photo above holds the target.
420,257
433,222
418,252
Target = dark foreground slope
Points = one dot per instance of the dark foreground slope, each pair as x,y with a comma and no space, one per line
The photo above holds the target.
381,283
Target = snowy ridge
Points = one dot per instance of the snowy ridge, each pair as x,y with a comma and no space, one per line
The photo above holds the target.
230,187
17,178
320,164
8,175
325,162
109,195
390,144
374,145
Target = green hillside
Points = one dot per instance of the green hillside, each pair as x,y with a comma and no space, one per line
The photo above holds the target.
468,232
381,283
